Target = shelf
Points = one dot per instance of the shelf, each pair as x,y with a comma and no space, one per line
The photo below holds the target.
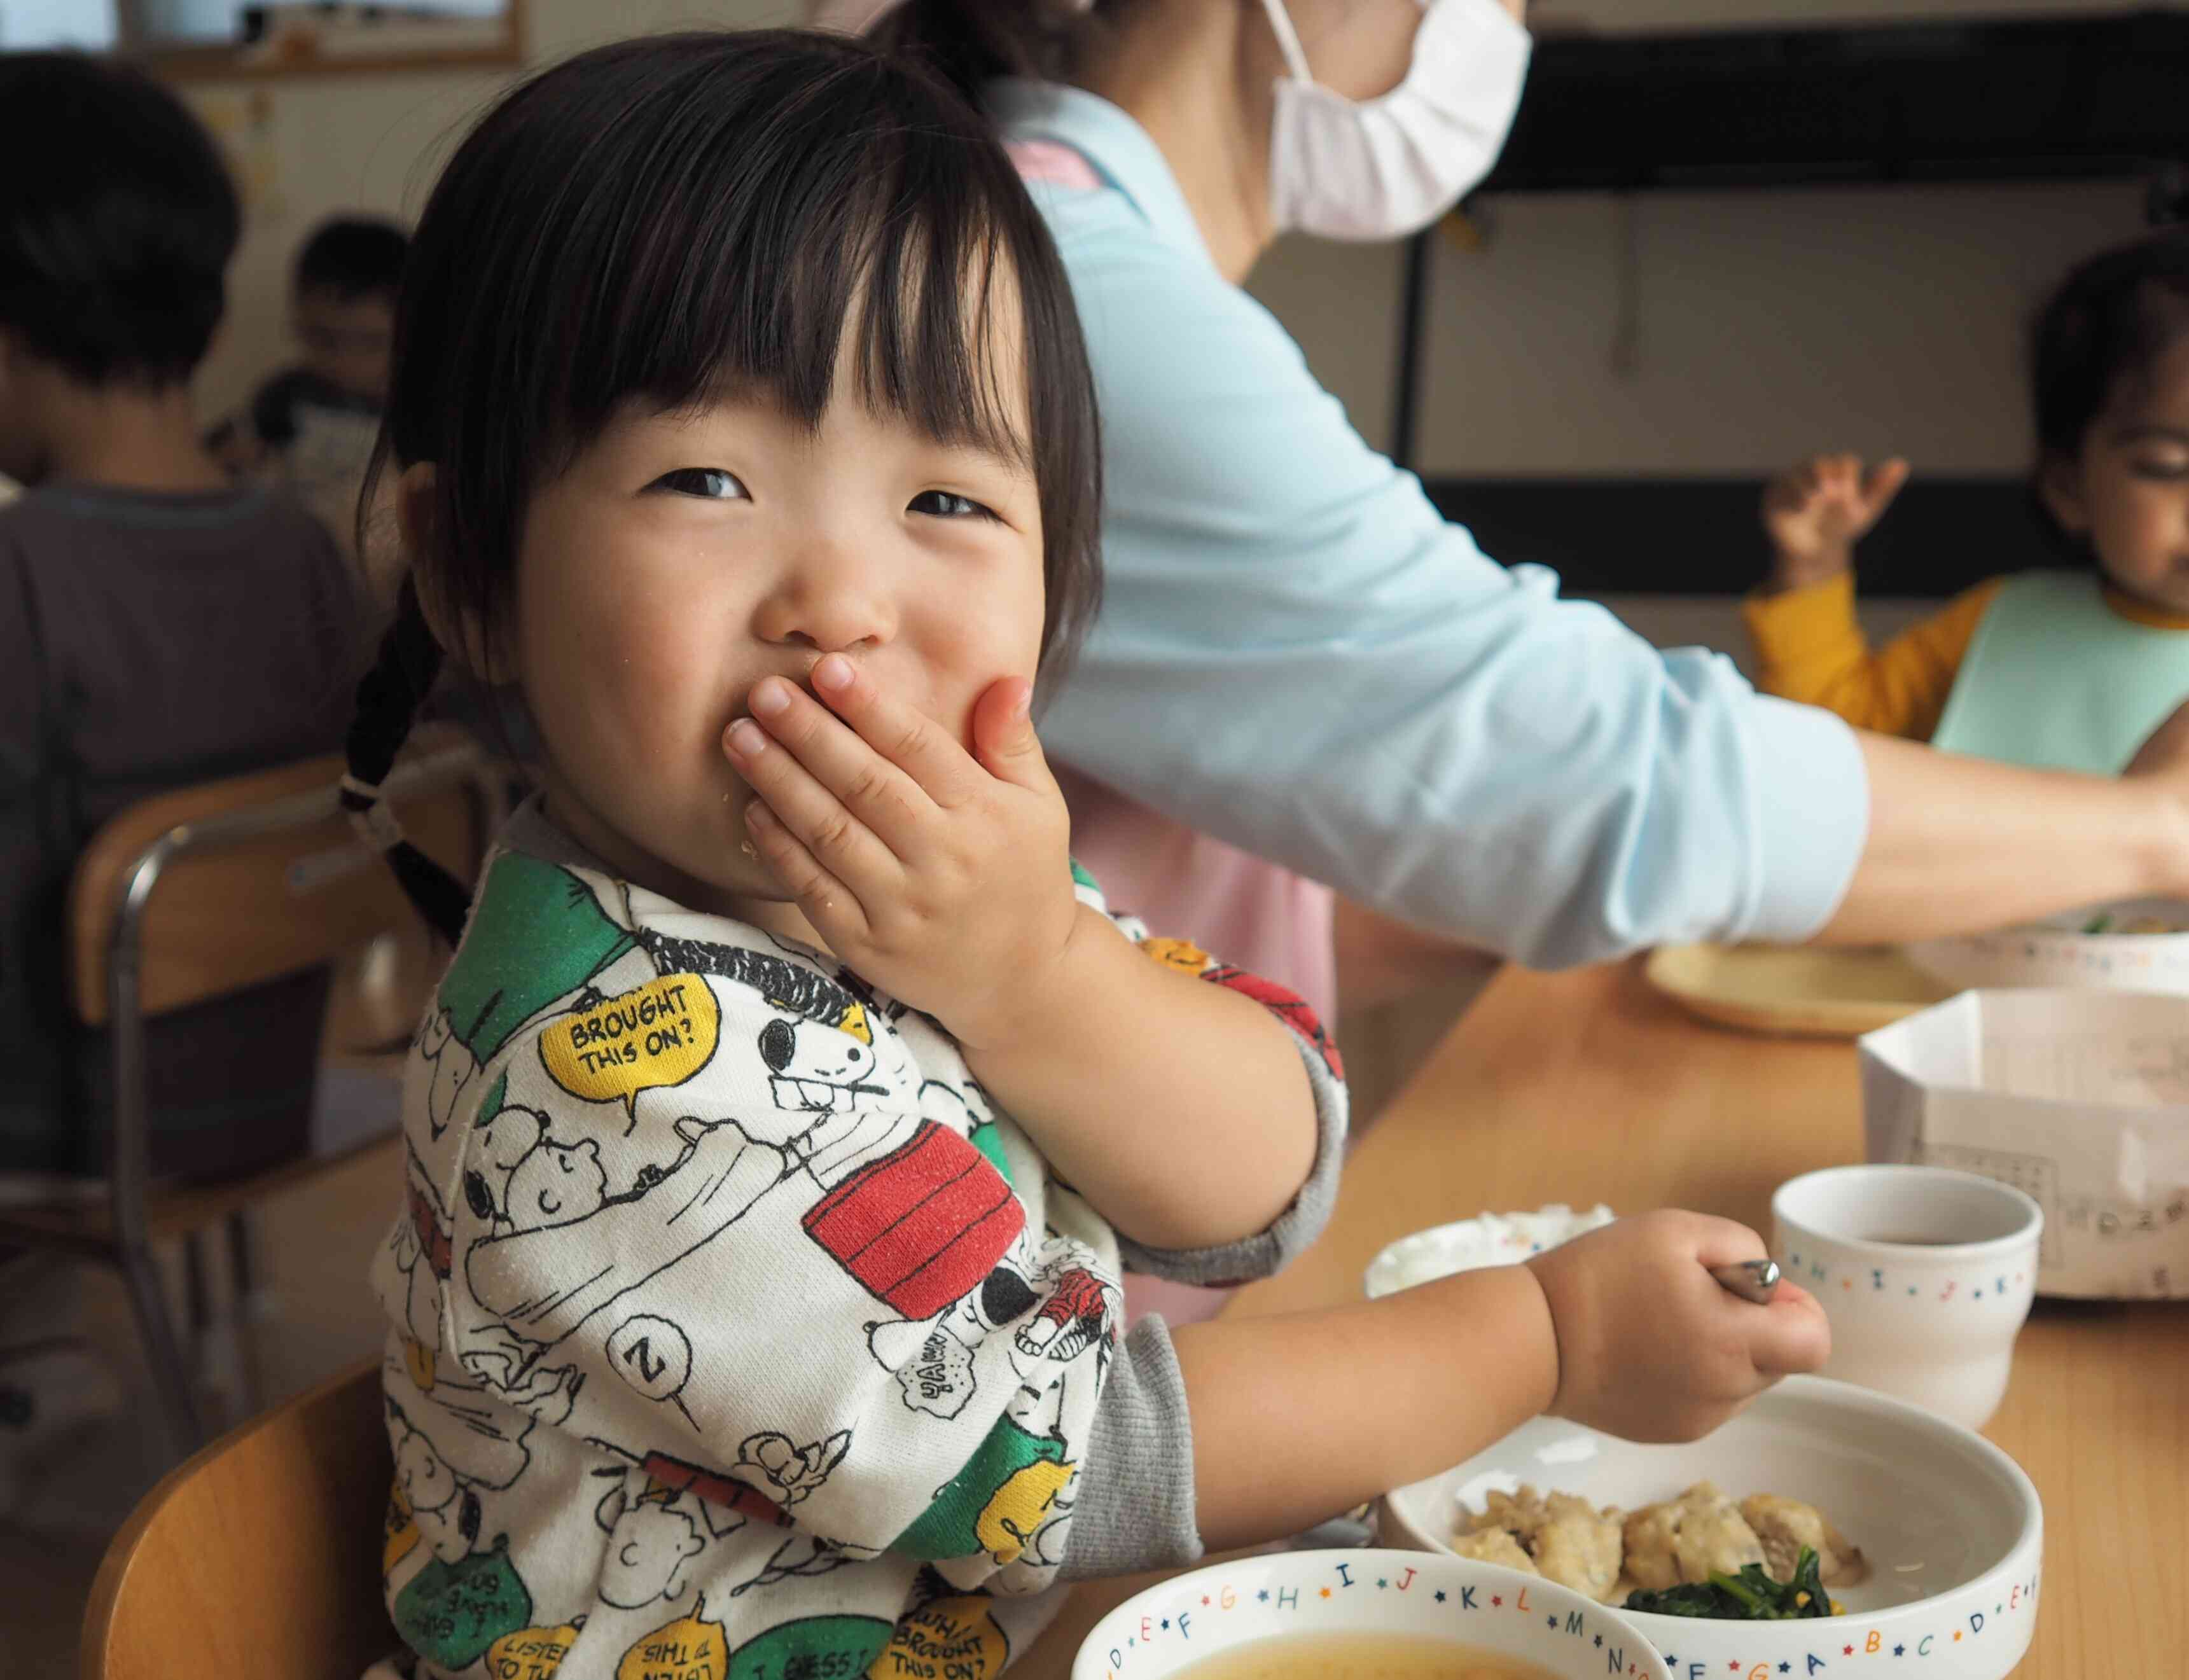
1666,535
2046,98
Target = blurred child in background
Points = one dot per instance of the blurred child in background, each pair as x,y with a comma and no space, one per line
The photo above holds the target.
158,625
311,426
2064,670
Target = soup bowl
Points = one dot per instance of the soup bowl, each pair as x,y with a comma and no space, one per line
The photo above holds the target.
1484,1613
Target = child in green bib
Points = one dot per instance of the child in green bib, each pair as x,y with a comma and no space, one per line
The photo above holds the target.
2059,670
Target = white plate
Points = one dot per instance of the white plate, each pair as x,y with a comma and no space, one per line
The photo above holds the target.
1487,1239
1950,1525
1186,1620
2057,952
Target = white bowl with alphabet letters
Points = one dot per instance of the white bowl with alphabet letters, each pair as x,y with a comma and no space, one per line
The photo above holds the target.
1950,1525
1301,1599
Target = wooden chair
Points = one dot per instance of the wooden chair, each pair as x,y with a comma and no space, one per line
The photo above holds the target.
259,1557
198,894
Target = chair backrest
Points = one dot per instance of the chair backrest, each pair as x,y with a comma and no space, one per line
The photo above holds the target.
259,1556
208,889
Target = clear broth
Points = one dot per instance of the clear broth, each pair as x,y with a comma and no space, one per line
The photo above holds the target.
1362,1656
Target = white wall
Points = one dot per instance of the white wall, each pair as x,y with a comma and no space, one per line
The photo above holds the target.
1710,333
1714,333
307,148
1755,326
1634,16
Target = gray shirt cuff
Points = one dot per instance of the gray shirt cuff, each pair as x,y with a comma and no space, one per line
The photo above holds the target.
1270,1250
1135,1500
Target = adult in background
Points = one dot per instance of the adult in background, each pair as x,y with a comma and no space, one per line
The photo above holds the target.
1304,678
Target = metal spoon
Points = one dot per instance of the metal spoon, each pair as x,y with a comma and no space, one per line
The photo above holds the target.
1756,1280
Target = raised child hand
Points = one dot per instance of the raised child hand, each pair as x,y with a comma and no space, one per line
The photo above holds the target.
1817,512
943,878
1649,1346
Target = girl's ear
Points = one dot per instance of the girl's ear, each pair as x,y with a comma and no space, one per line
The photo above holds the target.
2060,488
455,626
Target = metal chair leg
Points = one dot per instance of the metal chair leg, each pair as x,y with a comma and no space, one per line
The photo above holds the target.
248,1308
239,1253
197,1294
171,1378
213,1353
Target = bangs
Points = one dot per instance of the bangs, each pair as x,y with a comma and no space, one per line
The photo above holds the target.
732,256
680,218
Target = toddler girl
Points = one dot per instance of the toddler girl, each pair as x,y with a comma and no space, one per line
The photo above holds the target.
2068,670
777,1136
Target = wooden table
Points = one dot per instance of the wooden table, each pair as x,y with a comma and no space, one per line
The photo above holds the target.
1587,1086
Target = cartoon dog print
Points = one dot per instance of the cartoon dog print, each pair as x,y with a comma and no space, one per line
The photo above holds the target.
447,1514
787,1473
1080,1313
1055,1307
555,1184
445,1065
816,1069
453,1441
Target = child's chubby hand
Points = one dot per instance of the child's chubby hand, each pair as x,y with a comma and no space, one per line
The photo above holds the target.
944,878
1815,513
1650,1346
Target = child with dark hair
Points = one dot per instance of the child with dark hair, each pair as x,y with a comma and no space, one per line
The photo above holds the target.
158,625
775,1137
312,426
2065,670
348,276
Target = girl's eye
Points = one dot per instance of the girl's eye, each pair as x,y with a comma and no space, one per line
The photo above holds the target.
2166,471
949,505
710,482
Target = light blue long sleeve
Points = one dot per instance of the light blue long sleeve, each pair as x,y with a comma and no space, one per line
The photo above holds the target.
1298,654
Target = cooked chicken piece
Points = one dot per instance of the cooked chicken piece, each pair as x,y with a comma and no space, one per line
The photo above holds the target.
1521,1514
1578,1547
1786,1525
1688,1539
1494,1546
1563,1538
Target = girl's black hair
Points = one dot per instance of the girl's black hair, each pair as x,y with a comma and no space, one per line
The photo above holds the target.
972,41
664,219
2112,318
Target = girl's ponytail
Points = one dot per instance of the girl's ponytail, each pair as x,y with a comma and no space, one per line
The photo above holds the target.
971,42
388,697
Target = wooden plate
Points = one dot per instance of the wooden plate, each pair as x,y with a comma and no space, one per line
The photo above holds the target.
1809,991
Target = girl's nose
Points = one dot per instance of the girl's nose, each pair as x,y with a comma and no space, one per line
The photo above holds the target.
830,600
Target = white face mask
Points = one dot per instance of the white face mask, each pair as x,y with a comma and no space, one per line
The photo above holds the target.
1386,167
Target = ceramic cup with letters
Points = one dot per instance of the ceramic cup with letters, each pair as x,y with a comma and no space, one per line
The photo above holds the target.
1926,1273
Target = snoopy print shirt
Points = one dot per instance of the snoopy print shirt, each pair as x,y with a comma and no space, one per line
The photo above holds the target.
735,1334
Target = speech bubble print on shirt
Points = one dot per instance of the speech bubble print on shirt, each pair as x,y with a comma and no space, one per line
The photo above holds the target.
687,1648
954,1638
655,1035
931,1365
532,1652
654,1356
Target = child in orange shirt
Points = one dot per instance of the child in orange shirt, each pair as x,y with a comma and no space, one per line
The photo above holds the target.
2058,669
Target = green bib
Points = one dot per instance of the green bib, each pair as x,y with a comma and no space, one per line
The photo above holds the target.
2057,679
